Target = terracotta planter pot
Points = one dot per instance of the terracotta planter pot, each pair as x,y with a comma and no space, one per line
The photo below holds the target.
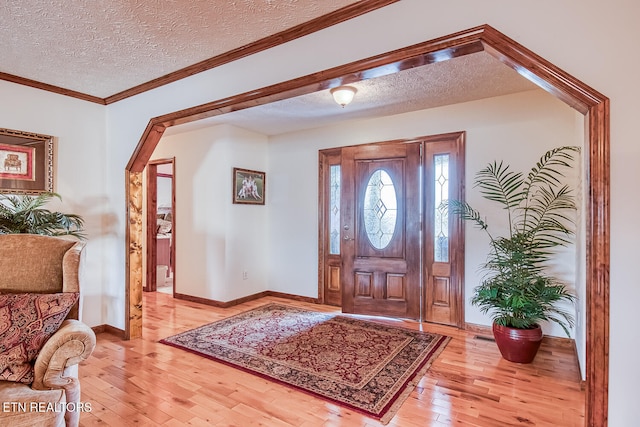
518,345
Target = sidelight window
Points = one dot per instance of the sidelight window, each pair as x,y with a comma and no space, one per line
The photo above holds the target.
441,217
334,210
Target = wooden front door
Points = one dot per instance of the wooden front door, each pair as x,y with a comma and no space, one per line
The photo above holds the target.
387,245
380,247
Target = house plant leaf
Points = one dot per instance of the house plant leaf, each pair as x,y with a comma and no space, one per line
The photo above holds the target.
518,291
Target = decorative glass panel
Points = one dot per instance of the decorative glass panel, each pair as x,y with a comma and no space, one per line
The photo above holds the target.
380,209
441,217
334,210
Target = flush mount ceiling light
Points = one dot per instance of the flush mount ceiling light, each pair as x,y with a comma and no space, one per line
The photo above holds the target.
343,94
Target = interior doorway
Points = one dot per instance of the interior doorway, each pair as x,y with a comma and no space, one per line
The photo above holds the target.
575,93
160,272
387,245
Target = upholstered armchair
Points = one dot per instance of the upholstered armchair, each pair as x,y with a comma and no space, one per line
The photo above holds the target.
40,283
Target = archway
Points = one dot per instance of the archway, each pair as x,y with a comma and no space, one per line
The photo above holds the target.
565,87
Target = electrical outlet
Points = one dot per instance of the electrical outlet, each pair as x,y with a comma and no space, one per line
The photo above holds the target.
245,275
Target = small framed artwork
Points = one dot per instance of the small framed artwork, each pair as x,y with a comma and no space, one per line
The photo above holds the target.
248,186
26,162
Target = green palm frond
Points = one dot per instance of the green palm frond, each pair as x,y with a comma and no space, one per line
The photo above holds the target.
548,170
516,290
498,183
26,214
466,212
545,217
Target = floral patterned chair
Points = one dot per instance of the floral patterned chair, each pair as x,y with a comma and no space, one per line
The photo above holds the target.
41,339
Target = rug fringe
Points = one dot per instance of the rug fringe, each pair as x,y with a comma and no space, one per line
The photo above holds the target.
411,385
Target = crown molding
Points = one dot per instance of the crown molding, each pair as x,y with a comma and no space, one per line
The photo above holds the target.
337,16
51,88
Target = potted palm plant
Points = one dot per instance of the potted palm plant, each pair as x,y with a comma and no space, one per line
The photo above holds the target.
517,290
26,214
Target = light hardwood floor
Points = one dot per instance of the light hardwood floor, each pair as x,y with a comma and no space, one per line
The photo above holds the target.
142,382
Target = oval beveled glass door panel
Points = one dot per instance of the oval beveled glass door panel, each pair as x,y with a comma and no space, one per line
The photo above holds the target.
380,209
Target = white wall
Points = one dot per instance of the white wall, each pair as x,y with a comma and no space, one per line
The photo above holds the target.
517,128
217,241
79,132
595,41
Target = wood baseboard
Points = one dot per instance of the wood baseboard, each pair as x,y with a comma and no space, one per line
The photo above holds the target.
293,297
226,304
485,331
480,330
583,382
109,330
220,304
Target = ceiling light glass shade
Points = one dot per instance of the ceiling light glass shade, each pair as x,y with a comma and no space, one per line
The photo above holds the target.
343,94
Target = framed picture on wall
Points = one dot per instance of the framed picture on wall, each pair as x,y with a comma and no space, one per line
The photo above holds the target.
26,162
248,186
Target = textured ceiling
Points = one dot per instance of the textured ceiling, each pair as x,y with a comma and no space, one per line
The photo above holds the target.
103,47
457,80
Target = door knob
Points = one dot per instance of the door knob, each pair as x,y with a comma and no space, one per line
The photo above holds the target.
347,238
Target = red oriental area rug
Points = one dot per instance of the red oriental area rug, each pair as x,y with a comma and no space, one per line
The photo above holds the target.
365,366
